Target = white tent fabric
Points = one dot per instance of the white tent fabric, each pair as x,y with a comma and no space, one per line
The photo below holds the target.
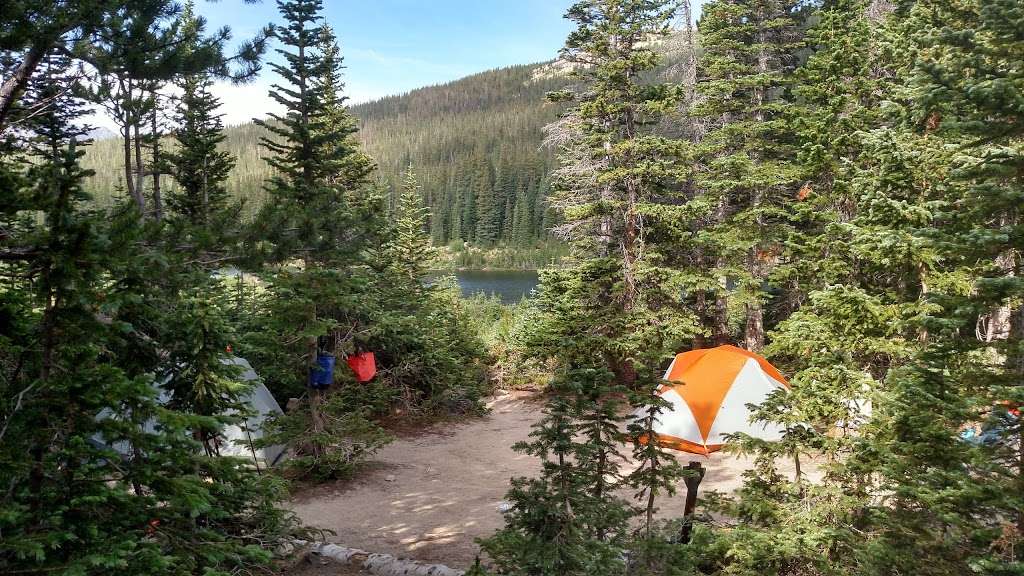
751,386
709,391
235,440
677,422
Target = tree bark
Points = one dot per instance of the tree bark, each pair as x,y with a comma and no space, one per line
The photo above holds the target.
158,204
753,336
720,327
135,192
139,167
1015,365
13,87
753,333
701,309
692,480
316,395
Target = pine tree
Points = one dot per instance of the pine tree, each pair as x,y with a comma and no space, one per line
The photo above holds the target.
100,472
961,122
198,165
409,251
323,212
749,48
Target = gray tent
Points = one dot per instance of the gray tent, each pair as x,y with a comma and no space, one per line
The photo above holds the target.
235,440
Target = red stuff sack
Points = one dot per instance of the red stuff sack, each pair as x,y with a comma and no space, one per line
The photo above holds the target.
364,365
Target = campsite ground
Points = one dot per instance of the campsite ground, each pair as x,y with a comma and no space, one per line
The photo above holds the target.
428,495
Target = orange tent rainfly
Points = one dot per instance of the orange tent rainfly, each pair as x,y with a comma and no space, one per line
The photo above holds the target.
709,394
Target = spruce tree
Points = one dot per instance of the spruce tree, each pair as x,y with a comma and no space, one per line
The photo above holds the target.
316,195
963,97
553,522
486,204
101,472
610,317
140,48
348,167
409,251
322,213
747,173
198,165
842,305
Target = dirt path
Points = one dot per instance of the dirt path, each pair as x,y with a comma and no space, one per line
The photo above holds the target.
428,497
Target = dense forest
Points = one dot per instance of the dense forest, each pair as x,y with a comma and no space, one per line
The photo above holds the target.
838,186
475,143
832,186
125,323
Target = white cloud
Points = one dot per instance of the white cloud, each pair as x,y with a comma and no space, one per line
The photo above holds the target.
242,103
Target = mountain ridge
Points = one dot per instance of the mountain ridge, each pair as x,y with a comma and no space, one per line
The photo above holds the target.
474,143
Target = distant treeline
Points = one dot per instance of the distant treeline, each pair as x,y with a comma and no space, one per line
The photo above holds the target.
475,144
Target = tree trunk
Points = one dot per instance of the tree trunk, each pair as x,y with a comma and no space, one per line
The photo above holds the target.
139,166
654,464
1015,365
701,309
13,87
753,338
315,393
129,172
720,327
632,243
602,465
753,333
695,473
158,204
206,194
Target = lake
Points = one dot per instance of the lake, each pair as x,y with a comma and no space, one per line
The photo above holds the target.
509,285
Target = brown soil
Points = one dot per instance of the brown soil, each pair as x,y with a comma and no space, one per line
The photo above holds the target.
446,485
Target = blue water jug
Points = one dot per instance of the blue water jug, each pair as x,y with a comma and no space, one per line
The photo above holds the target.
322,374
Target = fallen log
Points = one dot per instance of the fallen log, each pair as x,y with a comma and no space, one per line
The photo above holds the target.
382,564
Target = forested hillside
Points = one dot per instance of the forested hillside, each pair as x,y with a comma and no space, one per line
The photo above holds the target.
475,144
796,249
476,147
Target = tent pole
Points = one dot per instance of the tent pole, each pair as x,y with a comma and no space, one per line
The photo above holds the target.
694,474
255,460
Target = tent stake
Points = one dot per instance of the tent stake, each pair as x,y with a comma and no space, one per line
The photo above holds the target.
695,473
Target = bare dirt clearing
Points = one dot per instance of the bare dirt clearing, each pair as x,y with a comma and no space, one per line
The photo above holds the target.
427,497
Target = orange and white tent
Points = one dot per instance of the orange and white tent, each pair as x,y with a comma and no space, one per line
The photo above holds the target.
709,391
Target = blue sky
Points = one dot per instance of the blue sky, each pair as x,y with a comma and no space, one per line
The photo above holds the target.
393,46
